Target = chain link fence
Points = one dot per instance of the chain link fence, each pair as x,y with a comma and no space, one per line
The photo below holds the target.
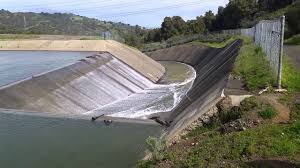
269,35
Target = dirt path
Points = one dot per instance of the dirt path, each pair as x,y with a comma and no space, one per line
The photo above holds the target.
293,51
283,111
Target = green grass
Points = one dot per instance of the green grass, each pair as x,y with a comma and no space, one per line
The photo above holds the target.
205,128
265,141
295,40
268,113
295,111
223,43
251,63
253,67
17,36
290,76
250,103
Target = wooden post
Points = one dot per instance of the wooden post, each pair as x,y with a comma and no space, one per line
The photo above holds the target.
279,77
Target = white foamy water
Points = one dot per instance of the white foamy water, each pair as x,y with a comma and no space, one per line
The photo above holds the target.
158,98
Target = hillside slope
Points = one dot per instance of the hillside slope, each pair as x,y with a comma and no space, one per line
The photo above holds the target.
61,24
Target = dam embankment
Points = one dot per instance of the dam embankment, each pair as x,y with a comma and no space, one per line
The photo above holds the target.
213,66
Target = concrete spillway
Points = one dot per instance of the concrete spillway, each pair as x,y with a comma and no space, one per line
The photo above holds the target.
77,88
98,85
213,66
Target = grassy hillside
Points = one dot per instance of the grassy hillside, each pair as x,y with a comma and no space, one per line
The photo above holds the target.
61,24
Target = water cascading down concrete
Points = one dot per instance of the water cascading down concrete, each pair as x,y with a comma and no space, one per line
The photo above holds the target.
118,83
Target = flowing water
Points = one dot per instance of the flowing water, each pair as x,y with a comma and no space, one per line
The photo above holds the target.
94,86
158,98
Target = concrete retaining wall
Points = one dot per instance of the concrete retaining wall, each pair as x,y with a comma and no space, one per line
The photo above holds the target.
213,67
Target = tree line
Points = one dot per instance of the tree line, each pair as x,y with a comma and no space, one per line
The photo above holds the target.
236,14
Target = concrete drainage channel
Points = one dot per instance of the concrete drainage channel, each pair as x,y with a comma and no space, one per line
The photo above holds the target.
41,139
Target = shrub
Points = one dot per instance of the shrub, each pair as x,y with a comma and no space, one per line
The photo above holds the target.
230,115
156,147
249,104
268,113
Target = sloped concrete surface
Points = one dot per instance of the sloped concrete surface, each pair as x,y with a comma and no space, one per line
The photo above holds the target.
132,57
213,67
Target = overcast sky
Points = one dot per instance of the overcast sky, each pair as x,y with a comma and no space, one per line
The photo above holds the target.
148,13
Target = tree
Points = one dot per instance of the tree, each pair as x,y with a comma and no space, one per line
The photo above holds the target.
293,18
272,5
167,28
209,19
232,15
153,36
196,26
179,24
132,40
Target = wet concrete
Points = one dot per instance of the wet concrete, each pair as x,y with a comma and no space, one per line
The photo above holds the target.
213,67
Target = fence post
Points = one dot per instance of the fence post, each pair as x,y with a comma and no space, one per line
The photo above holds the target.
279,78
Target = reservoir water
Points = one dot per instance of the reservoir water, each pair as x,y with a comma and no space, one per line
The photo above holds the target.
17,65
39,142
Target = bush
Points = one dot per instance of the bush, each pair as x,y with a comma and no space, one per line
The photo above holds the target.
268,113
230,115
156,147
249,104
